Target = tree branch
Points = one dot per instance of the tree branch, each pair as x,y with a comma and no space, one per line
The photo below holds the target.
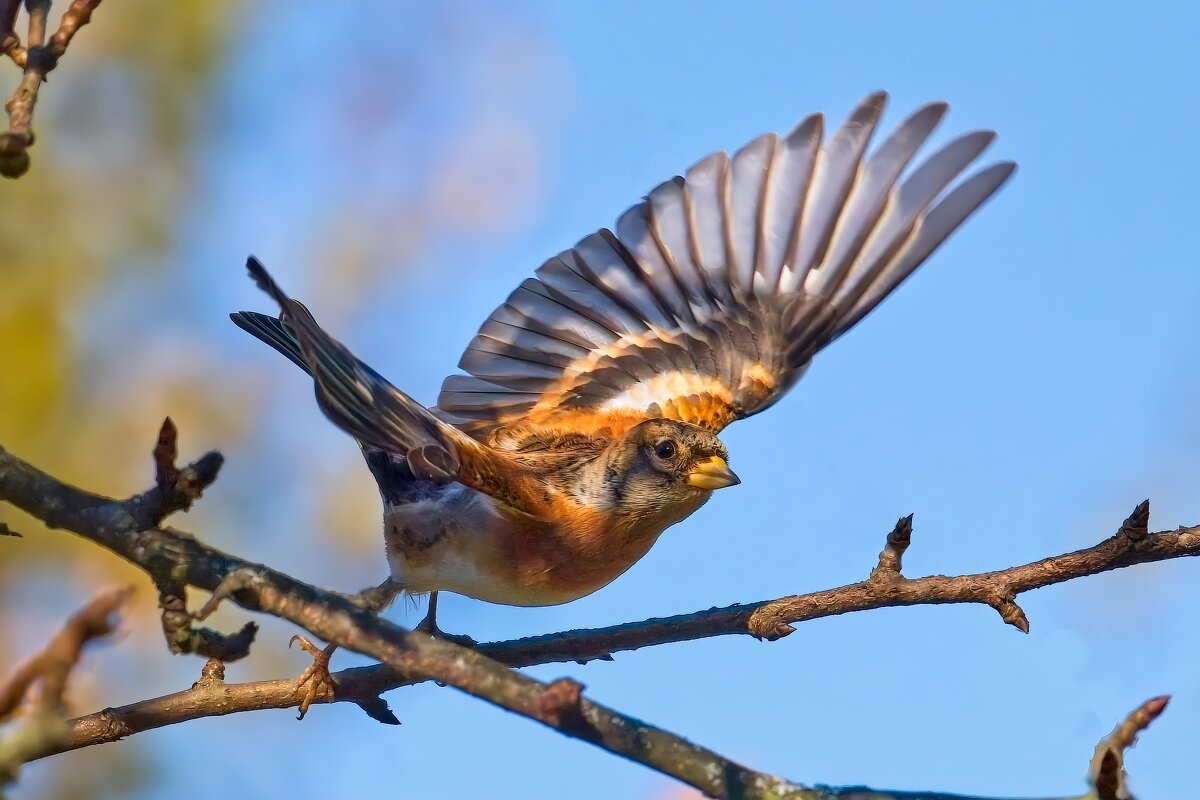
360,684
36,61
44,726
407,657
10,43
1107,771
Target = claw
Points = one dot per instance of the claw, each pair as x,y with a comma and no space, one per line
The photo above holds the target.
315,681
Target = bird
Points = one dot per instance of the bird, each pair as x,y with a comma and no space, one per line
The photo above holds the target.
585,420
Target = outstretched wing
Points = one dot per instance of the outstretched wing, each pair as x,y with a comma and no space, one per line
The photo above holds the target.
713,295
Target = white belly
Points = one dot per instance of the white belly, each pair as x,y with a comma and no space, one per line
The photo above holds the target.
437,544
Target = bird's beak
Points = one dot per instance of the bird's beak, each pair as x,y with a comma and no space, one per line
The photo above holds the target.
712,474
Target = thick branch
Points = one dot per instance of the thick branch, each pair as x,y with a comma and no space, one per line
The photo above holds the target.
408,657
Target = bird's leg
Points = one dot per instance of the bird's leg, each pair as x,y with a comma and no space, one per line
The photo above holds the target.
429,625
315,682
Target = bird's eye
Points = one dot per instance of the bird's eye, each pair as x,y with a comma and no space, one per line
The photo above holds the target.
665,450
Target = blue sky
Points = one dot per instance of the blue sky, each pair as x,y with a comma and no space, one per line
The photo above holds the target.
1021,394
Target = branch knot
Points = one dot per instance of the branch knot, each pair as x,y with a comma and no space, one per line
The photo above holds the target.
1136,526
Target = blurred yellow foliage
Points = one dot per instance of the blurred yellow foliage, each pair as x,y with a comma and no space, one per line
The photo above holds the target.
69,228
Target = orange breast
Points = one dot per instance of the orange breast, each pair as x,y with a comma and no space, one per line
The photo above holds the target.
480,550
581,551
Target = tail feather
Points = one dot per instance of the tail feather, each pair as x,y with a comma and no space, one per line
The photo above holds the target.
391,471
364,404
272,331
355,397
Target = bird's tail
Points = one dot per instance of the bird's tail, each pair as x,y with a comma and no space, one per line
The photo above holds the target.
271,330
355,397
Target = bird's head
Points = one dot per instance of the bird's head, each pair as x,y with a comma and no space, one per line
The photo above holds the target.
666,467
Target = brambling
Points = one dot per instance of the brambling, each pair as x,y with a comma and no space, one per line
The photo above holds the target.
587,422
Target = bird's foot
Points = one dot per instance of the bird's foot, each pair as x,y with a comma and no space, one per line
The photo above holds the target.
315,682
429,626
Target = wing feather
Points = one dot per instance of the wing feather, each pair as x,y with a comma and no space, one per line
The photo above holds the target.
550,350
836,171
750,176
866,204
705,305
633,230
702,200
942,220
534,308
667,216
604,262
716,291
784,205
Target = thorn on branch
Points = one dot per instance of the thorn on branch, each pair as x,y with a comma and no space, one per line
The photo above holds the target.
166,450
602,657
182,638
211,674
891,557
7,531
1136,526
1010,612
377,709
1107,772
765,623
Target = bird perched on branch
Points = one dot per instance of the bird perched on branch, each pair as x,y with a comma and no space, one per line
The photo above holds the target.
587,422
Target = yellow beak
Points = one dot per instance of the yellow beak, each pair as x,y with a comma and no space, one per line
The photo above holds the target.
712,474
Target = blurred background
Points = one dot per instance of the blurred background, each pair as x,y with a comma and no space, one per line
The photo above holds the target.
403,166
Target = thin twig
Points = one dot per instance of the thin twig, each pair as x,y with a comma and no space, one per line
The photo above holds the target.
52,665
43,728
892,556
37,59
10,42
1107,771
78,14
